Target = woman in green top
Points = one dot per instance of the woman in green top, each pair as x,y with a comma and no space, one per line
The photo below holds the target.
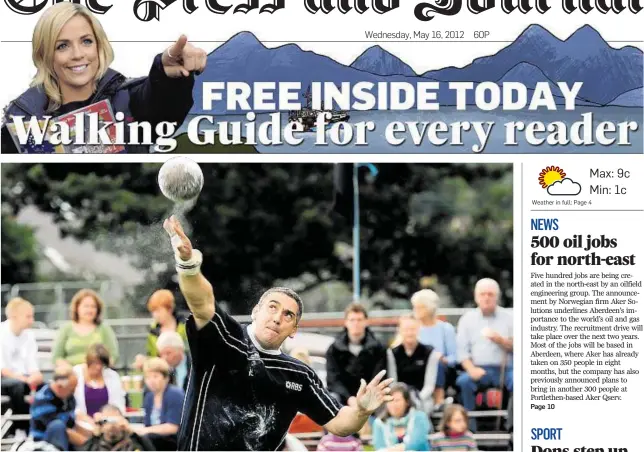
85,329
161,305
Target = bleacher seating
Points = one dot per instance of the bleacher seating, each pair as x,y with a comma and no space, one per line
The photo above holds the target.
488,438
6,424
486,441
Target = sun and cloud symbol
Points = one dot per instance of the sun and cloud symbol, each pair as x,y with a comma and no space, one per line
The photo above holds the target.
554,180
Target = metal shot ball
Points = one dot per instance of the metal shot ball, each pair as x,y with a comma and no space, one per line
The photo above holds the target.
180,179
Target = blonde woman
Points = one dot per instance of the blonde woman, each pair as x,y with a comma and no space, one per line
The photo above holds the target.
72,56
86,328
437,334
414,364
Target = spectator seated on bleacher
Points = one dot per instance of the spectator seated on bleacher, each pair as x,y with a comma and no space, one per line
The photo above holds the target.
331,442
484,342
162,404
414,364
98,385
53,411
302,354
439,335
113,433
356,354
453,434
18,357
301,423
172,351
401,427
162,307
85,329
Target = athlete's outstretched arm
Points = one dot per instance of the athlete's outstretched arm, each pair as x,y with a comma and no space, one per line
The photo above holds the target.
351,418
194,286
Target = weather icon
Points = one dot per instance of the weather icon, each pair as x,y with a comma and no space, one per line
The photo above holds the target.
554,180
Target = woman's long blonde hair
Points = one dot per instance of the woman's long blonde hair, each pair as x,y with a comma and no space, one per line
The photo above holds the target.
44,45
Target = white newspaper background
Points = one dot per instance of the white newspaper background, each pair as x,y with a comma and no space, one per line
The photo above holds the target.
581,214
581,280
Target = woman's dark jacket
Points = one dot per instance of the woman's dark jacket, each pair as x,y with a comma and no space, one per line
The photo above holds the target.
154,99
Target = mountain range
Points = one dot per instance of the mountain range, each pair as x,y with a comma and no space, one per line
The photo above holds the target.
610,76
244,59
380,62
632,98
584,56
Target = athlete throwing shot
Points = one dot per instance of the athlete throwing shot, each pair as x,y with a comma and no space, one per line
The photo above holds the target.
243,392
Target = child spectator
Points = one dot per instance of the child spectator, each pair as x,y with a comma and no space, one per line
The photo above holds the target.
339,443
453,434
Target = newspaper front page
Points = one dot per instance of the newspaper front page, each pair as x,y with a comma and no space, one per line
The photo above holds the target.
472,146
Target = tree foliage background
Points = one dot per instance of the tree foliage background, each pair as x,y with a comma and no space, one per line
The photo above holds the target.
261,223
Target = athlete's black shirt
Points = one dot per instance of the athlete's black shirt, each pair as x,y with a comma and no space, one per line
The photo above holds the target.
241,397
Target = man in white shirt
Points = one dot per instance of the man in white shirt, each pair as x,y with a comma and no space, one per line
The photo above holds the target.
485,341
18,359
